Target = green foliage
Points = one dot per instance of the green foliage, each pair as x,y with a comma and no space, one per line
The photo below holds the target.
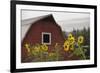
86,33
40,52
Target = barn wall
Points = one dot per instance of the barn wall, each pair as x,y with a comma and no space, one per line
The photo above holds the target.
34,35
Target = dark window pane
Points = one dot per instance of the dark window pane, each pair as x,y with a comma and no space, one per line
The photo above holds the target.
46,38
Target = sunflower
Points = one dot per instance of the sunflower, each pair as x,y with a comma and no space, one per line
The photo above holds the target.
71,40
36,48
80,39
70,36
66,45
44,47
71,47
27,47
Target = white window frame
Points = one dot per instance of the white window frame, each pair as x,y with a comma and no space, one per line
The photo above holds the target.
49,37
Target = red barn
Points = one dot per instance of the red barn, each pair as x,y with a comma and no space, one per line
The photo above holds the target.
43,29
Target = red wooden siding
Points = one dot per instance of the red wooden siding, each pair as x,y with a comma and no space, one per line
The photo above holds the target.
34,34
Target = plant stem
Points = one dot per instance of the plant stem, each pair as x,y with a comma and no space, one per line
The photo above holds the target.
83,54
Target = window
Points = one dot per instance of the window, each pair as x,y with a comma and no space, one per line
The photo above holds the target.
46,38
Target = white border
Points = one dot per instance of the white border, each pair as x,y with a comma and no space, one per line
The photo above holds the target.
20,65
49,38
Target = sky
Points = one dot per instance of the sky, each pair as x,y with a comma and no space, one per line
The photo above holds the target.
67,20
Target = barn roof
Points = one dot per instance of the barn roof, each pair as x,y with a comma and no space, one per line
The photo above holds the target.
33,20
26,24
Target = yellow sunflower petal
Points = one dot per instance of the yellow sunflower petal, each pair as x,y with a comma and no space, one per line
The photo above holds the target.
70,36
44,47
72,47
66,46
27,47
80,39
72,40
